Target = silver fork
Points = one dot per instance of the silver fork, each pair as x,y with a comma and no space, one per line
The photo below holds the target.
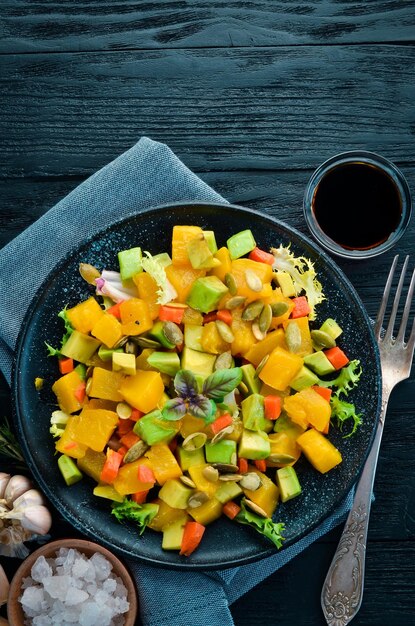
342,591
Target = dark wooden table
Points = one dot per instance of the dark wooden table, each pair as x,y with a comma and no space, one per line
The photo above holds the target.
252,96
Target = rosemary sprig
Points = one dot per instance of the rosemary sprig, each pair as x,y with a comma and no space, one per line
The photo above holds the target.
9,446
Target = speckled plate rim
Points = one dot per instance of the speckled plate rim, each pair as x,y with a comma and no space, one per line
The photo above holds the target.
336,274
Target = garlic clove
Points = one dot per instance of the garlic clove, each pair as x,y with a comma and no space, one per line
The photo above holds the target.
37,519
28,498
4,586
16,486
11,542
4,479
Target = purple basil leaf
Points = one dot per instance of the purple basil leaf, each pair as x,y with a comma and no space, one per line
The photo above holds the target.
200,406
221,382
185,384
174,409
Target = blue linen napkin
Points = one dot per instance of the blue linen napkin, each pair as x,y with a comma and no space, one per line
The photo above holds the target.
147,175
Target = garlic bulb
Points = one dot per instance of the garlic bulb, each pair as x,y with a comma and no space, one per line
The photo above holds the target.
23,515
4,587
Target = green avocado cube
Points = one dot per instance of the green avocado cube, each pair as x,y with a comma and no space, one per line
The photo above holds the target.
285,283
193,336
206,293
250,378
163,259
80,347
319,363
228,491
288,483
200,255
69,470
200,363
154,429
241,243
165,362
210,238
105,354
173,534
157,333
223,451
175,493
130,263
331,327
190,458
254,445
304,378
124,363
253,413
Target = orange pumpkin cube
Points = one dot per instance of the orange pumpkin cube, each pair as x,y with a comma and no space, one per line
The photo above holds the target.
212,341
303,332
67,443
263,271
148,291
163,463
244,338
182,279
308,407
135,317
127,480
280,368
258,351
64,388
84,315
107,330
225,266
266,496
105,384
143,391
181,237
94,427
321,453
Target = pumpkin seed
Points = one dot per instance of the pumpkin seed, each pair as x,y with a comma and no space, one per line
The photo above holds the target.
281,458
234,302
322,339
225,467
135,452
187,481
253,280
146,342
228,478
250,481
279,308
123,410
257,332
89,273
197,499
261,365
265,319
131,348
224,331
293,337
234,459
121,343
255,508
222,433
230,282
210,473
252,310
173,333
223,361
88,386
194,441
243,388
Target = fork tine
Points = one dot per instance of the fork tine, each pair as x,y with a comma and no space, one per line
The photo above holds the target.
385,297
389,330
407,309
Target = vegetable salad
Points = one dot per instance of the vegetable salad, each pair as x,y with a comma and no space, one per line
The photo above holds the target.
192,381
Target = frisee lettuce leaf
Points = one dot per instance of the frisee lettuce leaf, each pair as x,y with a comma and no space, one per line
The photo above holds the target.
264,525
347,378
68,332
342,412
141,514
166,291
302,273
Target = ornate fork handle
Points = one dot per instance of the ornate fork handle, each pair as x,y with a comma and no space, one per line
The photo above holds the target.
342,591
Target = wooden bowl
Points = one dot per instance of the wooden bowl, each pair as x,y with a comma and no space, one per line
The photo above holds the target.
14,608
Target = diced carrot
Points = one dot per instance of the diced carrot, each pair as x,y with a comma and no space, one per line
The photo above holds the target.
337,357
243,465
231,509
171,314
261,465
192,536
324,392
65,365
225,315
261,256
124,426
272,407
79,392
115,310
136,415
111,466
70,445
301,307
209,317
139,497
129,439
123,450
145,474
221,422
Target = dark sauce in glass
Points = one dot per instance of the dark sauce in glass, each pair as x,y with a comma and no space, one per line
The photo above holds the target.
357,205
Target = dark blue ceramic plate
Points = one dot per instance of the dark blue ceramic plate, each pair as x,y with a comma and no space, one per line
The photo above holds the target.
225,543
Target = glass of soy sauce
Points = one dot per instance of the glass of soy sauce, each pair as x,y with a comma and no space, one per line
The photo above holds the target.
357,204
